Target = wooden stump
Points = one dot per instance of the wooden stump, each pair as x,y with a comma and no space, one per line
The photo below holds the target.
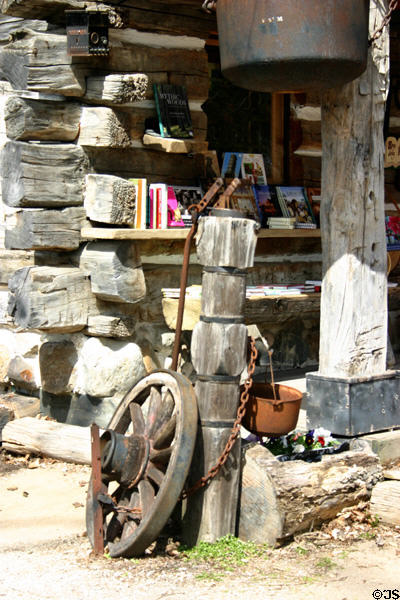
225,248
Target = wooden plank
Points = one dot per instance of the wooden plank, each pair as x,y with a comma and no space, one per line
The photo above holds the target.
352,219
68,443
41,229
35,120
110,326
97,233
174,146
43,175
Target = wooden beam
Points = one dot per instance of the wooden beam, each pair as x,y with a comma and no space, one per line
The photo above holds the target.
354,292
110,199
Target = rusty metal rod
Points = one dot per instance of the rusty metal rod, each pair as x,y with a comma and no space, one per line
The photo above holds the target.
98,534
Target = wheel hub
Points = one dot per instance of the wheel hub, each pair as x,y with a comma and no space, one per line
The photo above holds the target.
123,458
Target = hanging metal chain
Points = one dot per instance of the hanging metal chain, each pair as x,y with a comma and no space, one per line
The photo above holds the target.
213,472
386,20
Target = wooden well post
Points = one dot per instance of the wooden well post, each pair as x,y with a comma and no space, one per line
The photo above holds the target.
352,392
225,248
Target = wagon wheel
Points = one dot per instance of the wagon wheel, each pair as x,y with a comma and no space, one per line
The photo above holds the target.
146,455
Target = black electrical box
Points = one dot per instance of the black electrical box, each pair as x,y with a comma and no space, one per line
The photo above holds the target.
87,33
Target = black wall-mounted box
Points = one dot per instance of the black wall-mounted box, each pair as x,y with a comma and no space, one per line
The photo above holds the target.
87,33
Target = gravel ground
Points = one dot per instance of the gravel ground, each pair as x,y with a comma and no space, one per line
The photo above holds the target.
348,560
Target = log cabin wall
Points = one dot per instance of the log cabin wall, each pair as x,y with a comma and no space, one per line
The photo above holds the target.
81,321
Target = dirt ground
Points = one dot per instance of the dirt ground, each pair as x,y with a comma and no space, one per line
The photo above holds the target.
45,554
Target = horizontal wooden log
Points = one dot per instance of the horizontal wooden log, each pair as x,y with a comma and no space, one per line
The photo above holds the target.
173,18
43,175
54,299
10,25
146,111
280,499
116,88
226,242
39,62
115,271
103,127
36,120
109,326
110,199
227,353
155,166
15,406
12,260
37,228
69,443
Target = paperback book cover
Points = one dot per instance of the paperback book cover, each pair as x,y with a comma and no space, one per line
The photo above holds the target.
294,203
174,217
231,164
158,199
173,111
186,196
267,203
392,225
314,198
243,199
253,169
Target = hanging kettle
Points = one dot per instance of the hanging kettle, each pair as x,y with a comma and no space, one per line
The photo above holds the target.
292,45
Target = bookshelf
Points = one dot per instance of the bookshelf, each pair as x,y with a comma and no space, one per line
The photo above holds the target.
120,233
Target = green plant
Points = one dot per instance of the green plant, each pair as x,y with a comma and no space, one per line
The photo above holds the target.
325,563
301,551
209,575
226,552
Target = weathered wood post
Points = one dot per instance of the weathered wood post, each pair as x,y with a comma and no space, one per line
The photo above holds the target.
352,392
225,247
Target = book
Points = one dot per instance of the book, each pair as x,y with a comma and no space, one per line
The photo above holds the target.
253,168
158,209
174,217
392,226
173,111
281,222
314,198
267,203
231,164
294,203
141,202
186,196
243,199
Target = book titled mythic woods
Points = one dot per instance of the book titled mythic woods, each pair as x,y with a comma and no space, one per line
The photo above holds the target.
173,111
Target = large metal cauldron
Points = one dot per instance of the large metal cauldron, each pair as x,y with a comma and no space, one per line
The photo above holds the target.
292,45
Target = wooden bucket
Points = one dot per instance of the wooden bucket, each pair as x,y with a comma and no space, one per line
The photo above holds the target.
269,416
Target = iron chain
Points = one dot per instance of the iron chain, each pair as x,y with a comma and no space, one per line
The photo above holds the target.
213,472
386,20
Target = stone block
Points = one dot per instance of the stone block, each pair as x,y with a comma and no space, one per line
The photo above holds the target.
57,362
385,444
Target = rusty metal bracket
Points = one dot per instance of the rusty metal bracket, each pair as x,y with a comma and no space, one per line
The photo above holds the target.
98,546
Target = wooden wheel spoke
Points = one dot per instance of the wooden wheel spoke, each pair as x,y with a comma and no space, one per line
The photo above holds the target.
155,405
147,495
138,424
160,456
155,474
165,435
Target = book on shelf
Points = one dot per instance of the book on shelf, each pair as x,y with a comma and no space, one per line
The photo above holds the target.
294,203
231,164
185,197
253,169
243,199
158,200
267,203
141,202
174,216
392,226
314,198
281,222
299,225
173,111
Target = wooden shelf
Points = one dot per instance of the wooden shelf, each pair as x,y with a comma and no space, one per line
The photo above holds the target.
105,233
